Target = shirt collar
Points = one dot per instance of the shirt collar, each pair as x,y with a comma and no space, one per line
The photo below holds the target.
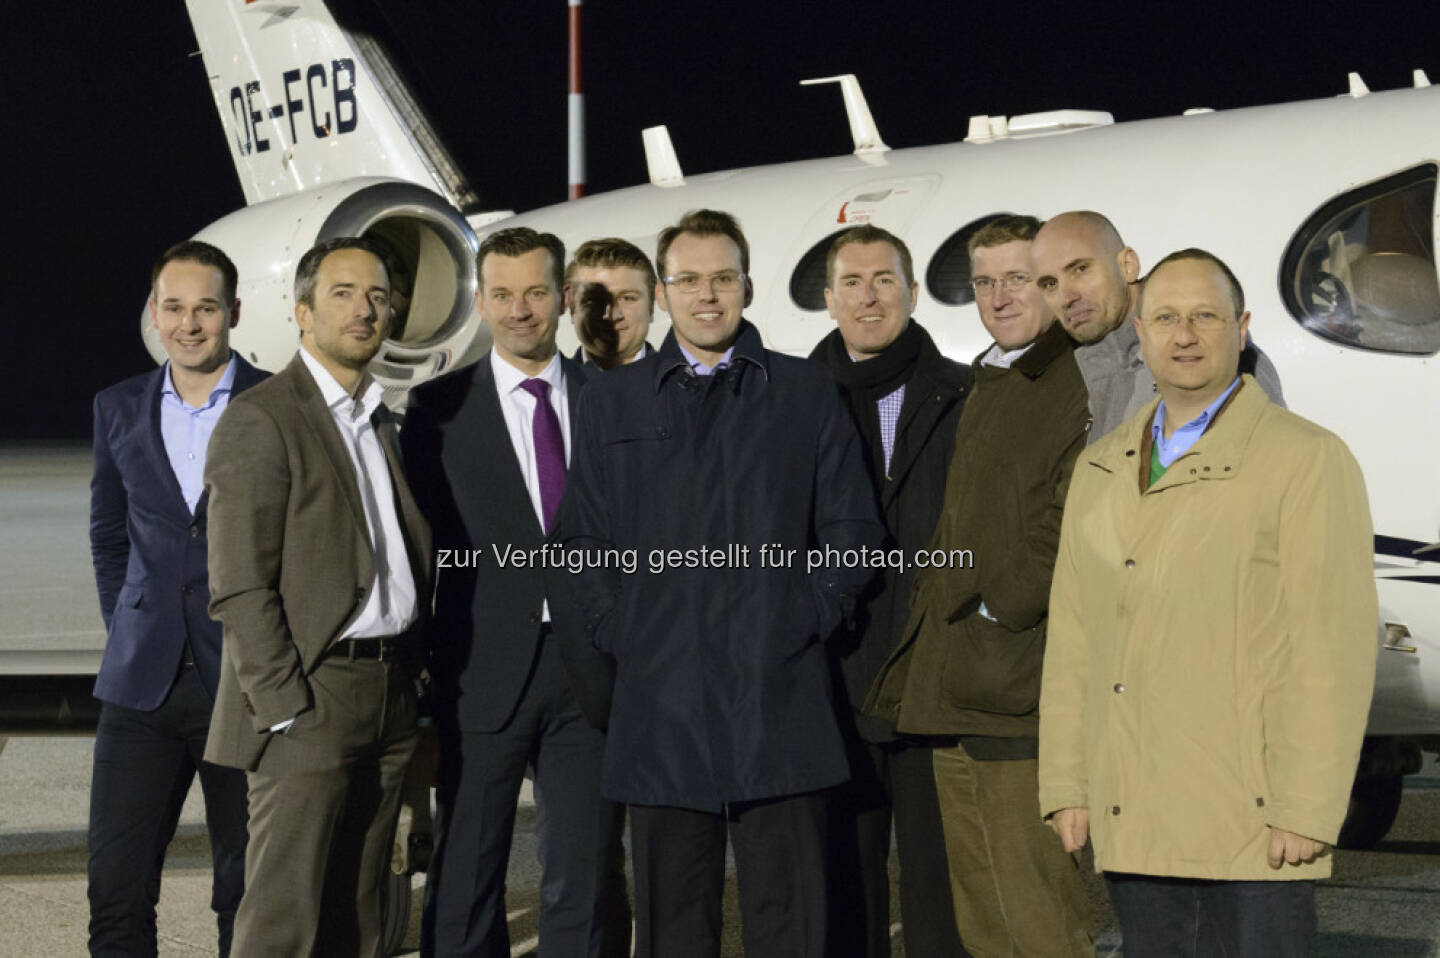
1002,357
748,347
335,396
699,368
508,378
1196,426
225,385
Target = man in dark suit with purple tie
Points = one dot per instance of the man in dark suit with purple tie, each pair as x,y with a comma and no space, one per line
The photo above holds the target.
161,667
487,449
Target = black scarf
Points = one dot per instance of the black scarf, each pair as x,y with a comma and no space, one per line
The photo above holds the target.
868,381
878,376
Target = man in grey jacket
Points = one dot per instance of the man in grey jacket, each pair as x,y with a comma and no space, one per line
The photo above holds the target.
1090,278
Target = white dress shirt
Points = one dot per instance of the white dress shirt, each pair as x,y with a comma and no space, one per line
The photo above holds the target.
1002,358
518,407
390,608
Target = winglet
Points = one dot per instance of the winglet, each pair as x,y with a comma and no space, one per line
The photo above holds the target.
660,157
1357,86
862,125
1421,80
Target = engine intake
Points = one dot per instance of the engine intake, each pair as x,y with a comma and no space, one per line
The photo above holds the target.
430,254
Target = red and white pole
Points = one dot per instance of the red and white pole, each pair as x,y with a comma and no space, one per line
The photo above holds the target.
577,108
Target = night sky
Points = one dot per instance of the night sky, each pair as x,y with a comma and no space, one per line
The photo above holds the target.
113,150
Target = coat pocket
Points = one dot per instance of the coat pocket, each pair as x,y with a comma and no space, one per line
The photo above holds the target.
992,669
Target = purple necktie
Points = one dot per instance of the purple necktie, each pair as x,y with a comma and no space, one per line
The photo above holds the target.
549,450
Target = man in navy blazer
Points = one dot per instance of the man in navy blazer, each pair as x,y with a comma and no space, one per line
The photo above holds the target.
158,678
486,448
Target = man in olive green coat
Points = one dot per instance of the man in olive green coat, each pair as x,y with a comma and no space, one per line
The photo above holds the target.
968,665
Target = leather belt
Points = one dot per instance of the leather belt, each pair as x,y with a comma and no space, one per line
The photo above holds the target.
384,649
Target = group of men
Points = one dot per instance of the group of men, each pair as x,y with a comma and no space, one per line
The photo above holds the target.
1163,637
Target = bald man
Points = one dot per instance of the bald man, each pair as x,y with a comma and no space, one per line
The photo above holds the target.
1090,279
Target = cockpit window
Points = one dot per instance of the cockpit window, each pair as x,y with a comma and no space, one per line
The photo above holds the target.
948,275
1361,271
807,282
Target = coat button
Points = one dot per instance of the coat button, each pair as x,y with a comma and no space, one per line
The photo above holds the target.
534,616
186,590
359,592
1129,452
1114,809
662,433
1129,563
194,532
1119,687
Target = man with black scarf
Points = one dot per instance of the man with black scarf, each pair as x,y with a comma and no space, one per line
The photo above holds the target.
906,399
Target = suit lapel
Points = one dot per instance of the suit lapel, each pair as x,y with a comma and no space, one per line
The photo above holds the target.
155,453
412,524
493,450
575,377
924,405
246,376
315,414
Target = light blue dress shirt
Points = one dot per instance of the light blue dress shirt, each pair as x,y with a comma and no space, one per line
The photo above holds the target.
1187,435
699,368
186,431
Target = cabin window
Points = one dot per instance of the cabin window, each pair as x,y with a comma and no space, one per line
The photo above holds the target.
1361,271
807,282
948,275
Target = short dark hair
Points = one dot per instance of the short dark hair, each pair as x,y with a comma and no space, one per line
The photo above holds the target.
1007,229
867,233
703,223
1237,294
519,240
199,251
611,253
310,263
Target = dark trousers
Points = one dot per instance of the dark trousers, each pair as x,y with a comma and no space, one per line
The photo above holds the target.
144,764
324,800
893,780
1189,918
480,778
679,862
613,897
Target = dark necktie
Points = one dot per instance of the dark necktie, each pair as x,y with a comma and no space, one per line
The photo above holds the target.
549,450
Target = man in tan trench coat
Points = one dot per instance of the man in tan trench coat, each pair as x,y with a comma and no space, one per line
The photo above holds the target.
1212,643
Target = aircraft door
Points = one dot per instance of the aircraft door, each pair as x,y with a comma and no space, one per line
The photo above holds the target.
796,308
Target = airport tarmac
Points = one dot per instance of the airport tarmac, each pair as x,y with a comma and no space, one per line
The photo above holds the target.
1383,903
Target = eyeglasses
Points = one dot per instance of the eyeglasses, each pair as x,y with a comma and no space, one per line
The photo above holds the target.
1013,283
725,281
1204,320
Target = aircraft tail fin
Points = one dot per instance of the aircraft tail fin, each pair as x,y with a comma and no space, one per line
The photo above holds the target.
306,100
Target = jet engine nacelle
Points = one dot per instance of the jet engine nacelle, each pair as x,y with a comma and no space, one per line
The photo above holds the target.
431,259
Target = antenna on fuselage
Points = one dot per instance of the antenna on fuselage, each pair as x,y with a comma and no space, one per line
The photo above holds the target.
862,125
660,157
